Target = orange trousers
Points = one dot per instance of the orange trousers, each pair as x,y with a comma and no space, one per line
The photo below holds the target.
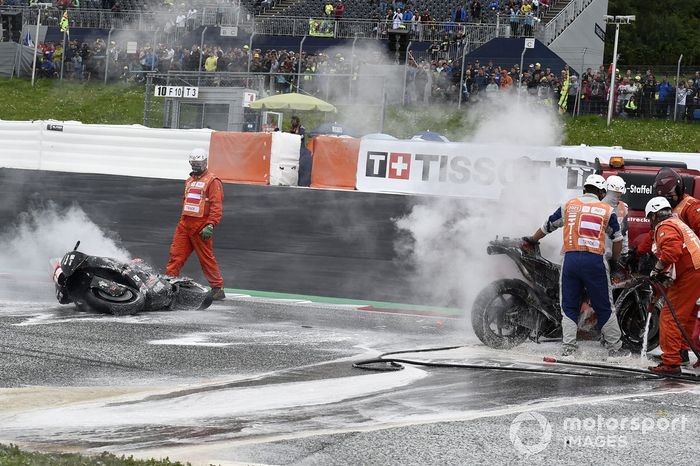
186,240
683,294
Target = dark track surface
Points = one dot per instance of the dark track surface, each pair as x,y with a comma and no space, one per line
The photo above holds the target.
298,240
272,382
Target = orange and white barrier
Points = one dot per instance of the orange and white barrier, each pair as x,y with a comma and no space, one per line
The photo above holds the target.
240,157
284,159
393,166
335,162
71,146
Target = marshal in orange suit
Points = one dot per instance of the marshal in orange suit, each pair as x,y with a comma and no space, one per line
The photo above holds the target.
202,208
677,249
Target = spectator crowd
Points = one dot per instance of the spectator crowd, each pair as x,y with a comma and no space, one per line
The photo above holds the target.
429,79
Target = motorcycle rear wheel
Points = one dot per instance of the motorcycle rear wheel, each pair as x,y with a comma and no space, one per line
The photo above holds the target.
130,302
495,313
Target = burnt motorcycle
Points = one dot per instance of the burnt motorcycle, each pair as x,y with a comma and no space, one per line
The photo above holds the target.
509,311
102,284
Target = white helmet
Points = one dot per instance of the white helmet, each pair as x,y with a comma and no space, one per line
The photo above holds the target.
198,160
198,155
596,181
656,204
615,183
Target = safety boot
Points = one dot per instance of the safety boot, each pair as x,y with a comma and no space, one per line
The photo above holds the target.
685,358
217,294
663,369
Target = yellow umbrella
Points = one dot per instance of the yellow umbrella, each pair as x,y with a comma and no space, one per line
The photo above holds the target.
293,101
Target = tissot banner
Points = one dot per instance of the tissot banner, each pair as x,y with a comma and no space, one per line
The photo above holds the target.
453,169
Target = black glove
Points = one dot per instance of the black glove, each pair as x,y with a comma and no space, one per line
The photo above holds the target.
629,260
614,266
530,241
661,277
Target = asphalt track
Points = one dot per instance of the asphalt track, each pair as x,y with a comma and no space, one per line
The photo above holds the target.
259,381
270,381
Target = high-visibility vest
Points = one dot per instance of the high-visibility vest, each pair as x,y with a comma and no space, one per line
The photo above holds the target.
195,200
686,202
585,226
690,239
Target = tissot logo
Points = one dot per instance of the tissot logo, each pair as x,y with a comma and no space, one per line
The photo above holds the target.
448,169
399,165
376,164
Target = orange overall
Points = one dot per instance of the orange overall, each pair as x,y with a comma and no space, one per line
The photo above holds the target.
688,210
202,205
675,243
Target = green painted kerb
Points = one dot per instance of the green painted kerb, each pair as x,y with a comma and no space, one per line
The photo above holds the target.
347,301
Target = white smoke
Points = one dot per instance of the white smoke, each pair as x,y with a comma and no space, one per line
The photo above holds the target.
447,237
40,235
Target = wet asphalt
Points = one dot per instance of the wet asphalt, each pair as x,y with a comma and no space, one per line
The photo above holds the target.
272,382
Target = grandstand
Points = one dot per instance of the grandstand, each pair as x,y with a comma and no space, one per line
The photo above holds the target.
440,10
565,27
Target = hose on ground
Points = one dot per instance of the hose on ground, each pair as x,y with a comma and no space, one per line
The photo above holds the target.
384,362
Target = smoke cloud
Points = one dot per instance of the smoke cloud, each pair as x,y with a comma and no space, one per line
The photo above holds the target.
445,239
40,235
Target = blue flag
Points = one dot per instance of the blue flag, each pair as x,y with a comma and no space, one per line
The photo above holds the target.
28,40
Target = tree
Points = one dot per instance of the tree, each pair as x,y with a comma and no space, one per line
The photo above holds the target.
662,32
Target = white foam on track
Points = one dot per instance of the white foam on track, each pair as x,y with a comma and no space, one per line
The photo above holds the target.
196,339
190,409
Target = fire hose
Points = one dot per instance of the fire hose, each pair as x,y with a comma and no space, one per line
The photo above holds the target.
386,361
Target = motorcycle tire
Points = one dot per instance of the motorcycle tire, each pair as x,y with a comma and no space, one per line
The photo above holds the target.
631,316
191,295
511,293
131,302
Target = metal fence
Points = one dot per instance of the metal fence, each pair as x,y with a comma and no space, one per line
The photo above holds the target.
228,16
351,28
135,20
561,21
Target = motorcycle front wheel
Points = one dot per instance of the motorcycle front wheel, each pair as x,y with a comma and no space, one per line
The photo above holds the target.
496,311
129,302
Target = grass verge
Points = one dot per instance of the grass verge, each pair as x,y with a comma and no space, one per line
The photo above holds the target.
11,455
123,104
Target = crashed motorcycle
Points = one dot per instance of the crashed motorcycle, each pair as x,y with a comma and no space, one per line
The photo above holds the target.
509,311
102,284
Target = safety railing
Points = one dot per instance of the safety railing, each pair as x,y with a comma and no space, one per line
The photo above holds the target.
138,20
561,21
171,21
350,28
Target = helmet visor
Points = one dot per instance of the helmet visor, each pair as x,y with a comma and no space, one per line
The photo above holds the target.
198,166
